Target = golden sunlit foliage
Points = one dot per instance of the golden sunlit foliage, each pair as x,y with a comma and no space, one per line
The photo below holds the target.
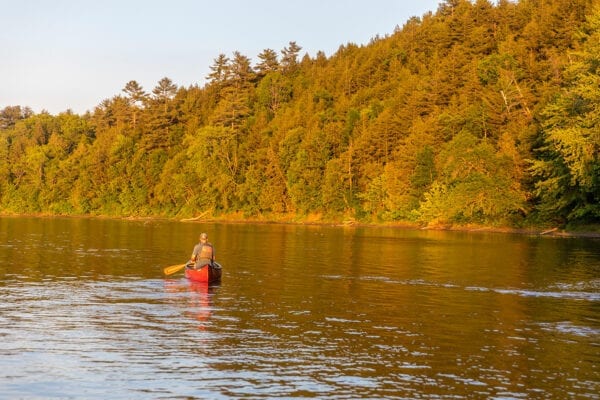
478,113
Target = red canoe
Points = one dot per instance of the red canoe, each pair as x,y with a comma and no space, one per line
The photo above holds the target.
208,273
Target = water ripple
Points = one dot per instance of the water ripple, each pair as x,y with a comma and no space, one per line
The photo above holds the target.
353,314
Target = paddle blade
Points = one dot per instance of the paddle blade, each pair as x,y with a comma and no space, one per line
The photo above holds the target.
173,268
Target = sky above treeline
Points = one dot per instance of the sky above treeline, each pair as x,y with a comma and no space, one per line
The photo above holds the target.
72,54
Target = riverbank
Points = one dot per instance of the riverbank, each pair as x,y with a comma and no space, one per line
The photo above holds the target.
589,231
592,231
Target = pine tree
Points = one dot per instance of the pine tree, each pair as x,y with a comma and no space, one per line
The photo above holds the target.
268,62
137,96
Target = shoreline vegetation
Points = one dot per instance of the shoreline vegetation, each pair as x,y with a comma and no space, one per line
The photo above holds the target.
480,116
584,231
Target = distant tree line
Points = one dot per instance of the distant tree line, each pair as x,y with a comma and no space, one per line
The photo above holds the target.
481,112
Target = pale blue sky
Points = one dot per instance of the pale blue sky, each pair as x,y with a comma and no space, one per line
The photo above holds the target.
63,54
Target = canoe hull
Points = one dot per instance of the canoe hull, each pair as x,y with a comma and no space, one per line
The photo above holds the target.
208,273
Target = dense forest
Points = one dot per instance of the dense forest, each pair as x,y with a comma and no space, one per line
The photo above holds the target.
478,113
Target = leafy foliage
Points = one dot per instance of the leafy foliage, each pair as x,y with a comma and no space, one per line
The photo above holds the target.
477,113
568,169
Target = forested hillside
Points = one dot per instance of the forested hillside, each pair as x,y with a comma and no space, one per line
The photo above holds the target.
480,112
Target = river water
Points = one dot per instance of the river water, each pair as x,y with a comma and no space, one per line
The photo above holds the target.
302,311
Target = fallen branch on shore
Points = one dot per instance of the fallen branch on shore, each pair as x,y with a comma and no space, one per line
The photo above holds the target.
204,214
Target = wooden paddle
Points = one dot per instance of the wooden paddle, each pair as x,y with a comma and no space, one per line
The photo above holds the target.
173,268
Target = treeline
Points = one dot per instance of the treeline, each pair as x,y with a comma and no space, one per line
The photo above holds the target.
478,113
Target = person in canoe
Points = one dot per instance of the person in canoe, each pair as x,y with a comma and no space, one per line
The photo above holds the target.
203,254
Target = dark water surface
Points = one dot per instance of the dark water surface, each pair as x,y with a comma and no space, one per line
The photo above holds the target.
302,311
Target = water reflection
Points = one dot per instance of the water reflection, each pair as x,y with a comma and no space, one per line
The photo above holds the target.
197,296
310,311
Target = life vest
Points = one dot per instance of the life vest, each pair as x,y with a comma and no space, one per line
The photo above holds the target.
206,251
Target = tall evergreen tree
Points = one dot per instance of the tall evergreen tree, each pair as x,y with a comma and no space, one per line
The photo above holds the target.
289,58
137,96
164,91
219,70
268,62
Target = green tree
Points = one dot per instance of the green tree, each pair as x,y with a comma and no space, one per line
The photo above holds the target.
219,70
289,58
272,92
268,62
137,96
164,91
234,103
474,185
11,114
161,130
568,168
